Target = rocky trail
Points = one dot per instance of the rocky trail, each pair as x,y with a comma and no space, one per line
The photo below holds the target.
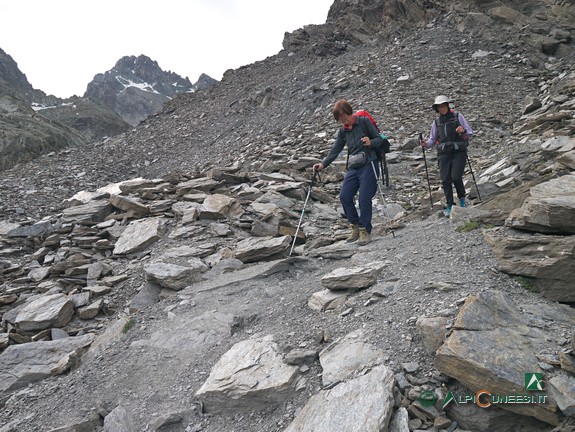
167,302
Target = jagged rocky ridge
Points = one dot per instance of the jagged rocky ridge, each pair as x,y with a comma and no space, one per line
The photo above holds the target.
247,162
136,87
35,123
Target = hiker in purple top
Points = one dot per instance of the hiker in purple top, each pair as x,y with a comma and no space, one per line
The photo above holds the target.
450,133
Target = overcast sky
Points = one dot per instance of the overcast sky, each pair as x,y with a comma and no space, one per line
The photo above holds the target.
60,45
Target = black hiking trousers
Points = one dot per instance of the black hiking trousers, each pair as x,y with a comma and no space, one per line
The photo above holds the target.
451,168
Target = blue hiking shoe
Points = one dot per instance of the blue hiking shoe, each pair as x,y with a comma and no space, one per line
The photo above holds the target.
462,202
447,211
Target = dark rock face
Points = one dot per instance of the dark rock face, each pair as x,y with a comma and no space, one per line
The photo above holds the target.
136,87
204,82
12,81
26,134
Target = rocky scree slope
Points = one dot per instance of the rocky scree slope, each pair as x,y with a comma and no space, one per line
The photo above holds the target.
252,107
267,123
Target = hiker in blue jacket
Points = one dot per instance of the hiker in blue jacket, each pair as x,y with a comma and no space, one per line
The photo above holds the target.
361,137
450,133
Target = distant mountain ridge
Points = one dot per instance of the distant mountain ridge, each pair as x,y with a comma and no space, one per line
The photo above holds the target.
35,123
136,87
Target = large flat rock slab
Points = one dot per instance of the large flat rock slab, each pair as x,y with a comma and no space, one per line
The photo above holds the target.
190,334
252,375
550,209
491,348
26,363
547,259
139,235
364,404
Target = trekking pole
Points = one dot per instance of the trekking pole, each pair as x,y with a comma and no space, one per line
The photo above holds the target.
385,171
426,172
385,214
313,180
473,176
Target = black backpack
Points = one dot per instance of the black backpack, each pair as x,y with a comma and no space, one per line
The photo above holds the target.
380,152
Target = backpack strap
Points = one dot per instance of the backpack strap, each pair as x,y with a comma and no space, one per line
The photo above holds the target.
456,116
347,159
364,119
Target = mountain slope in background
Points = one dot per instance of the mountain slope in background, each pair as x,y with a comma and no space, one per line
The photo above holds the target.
12,81
25,133
35,123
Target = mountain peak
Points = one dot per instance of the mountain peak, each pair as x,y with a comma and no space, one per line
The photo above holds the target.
137,87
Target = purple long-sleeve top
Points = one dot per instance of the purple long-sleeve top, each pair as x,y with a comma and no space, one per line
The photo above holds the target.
462,121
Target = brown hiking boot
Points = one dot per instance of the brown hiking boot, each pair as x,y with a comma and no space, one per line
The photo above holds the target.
364,237
354,235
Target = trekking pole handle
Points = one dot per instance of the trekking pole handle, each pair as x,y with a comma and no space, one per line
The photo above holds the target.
315,176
